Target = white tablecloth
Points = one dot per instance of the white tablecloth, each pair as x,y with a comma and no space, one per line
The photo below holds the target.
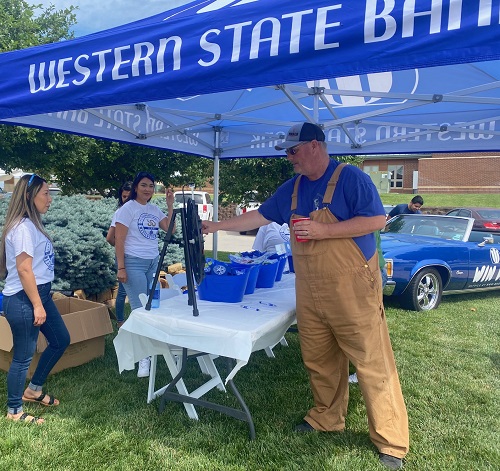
233,330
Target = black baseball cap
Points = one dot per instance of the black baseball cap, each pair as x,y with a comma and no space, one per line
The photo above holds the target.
302,132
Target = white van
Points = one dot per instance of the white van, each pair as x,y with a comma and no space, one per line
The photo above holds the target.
201,198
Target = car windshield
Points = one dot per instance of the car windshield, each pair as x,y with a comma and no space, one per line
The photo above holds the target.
444,227
489,213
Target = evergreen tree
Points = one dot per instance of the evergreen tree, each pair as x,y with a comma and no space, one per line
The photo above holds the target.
78,228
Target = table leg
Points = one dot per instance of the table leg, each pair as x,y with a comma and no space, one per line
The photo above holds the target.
240,414
239,397
207,366
181,387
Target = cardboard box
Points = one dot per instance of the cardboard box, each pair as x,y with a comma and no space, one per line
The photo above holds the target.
87,323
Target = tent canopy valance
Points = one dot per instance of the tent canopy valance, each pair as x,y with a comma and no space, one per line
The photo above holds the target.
225,79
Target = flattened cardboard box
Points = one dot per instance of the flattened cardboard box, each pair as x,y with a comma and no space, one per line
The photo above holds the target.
87,322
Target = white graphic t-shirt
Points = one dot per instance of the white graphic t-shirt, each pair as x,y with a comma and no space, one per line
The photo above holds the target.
271,235
143,222
25,237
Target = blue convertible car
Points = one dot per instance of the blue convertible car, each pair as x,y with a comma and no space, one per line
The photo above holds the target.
428,256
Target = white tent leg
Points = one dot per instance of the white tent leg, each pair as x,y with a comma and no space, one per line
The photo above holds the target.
216,186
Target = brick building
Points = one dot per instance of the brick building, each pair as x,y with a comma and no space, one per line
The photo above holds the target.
439,173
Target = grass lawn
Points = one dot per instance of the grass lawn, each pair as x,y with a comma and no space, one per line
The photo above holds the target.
449,365
448,359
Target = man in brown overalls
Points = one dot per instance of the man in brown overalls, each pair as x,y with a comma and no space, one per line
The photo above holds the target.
340,314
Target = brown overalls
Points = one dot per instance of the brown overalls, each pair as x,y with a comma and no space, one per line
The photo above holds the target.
341,317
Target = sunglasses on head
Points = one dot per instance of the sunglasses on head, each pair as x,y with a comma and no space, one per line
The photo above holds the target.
293,150
30,181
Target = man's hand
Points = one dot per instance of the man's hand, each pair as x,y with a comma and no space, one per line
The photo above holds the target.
208,227
355,227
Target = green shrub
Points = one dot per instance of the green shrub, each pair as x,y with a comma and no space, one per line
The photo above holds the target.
84,260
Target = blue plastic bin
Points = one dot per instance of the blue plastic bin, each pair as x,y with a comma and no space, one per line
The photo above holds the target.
252,278
254,269
225,288
290,264
1,302
254,260
281,265
267,274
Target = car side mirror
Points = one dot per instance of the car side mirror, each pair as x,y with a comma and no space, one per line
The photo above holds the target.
486,240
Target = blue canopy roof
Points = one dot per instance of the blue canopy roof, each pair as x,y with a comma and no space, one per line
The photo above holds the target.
225,78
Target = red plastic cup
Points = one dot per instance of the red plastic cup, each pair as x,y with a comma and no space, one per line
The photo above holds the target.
297,238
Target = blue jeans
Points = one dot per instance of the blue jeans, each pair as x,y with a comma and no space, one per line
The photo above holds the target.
120,303
140,274
120,300
19,314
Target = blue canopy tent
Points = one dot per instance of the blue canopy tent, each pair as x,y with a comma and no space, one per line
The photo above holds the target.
226,78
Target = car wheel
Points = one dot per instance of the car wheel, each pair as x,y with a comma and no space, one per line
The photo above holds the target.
424,291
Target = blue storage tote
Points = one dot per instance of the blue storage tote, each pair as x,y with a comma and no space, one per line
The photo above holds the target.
281,264
254,271
249,260
223,283
267,274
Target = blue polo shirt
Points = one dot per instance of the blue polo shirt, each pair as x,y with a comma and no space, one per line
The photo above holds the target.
403,209
355,195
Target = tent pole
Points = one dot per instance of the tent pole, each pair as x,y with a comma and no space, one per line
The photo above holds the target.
217,152
316,103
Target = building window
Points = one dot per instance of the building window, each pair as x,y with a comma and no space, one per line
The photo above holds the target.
396,175
370,168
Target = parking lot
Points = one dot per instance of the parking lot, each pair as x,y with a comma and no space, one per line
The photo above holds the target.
230,241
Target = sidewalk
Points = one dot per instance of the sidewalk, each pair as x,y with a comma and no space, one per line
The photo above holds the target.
233,242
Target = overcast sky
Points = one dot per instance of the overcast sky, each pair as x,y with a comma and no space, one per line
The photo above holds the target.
97,15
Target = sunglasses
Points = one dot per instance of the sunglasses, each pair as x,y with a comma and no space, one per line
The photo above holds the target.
293,150
30,181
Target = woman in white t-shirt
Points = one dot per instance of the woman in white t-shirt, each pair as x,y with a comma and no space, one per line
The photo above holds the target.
137,224
27,258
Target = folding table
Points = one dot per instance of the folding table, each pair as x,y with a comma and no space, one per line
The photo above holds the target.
231,330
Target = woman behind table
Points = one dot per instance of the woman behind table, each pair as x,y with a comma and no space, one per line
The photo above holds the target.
271,235
123,194
136,242
27,258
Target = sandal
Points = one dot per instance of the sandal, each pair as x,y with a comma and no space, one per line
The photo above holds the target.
29,419
39,400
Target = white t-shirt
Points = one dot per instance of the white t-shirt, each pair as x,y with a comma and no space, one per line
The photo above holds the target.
25,237
143,222
271,235
113,219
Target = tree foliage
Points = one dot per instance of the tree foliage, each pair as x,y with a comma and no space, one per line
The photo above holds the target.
80,164
245,180
24,25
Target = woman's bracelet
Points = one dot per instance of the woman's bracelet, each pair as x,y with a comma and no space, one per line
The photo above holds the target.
121,268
